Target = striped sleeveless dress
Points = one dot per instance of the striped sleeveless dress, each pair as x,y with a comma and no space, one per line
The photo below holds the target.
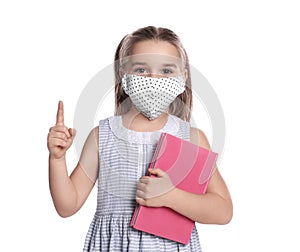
124,156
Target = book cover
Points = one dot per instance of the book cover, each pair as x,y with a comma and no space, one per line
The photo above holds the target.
189,167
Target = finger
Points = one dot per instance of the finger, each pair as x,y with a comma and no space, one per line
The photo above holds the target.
140,201
60,114
156,171
141,187
144,180
72,132
59,135
56,142
62,129
140,194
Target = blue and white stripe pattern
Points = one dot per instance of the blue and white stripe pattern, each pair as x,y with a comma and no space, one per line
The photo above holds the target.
124,157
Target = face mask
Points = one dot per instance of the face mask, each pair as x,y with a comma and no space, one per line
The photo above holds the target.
152,96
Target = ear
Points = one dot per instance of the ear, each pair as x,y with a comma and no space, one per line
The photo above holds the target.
121,72
185,74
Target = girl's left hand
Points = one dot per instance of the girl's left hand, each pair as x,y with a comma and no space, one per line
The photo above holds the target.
153,191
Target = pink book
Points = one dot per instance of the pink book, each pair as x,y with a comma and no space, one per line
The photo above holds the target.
189,167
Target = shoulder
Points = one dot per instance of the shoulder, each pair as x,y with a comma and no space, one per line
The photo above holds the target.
108,122
199,138
95,132
92,138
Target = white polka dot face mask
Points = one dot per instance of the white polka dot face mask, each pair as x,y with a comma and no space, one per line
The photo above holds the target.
152,96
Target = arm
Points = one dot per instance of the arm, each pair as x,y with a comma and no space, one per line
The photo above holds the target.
70,192
214,207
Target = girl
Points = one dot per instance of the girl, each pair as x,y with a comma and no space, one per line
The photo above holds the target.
153,94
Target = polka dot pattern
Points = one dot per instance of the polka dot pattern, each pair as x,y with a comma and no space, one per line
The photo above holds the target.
152,96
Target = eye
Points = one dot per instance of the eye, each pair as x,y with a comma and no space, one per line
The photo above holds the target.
140,70
167,71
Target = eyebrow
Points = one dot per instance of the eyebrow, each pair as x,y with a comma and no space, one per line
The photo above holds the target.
138,63
170,65
145,64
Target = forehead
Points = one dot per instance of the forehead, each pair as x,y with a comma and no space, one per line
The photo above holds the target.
151,51
155,47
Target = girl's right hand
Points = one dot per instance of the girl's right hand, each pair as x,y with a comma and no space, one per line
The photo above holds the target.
60,138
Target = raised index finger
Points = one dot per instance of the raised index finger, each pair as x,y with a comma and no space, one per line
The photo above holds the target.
60,114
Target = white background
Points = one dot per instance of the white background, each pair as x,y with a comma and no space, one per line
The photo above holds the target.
248,51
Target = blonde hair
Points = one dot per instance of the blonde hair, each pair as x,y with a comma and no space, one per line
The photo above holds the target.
182,105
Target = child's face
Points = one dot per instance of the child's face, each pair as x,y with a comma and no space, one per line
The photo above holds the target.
154,59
